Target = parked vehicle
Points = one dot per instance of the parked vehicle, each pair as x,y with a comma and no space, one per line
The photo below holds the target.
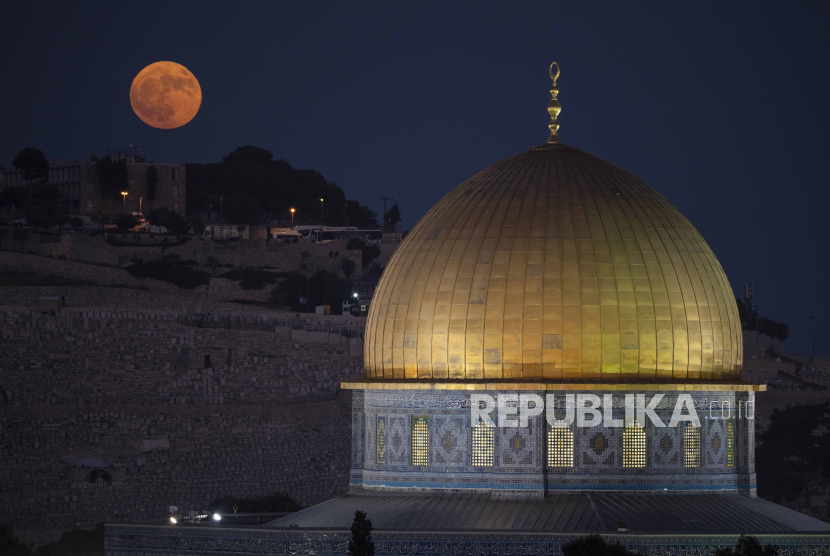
20,223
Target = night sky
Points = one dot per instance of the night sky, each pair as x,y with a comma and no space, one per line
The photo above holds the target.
721,107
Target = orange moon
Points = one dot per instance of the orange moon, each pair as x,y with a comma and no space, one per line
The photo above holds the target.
165,95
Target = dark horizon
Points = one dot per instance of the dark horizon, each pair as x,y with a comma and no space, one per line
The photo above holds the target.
720,108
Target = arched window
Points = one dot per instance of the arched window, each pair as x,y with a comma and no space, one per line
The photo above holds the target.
483,445
730,443
380,440
691,446
634,446
560,447
420,440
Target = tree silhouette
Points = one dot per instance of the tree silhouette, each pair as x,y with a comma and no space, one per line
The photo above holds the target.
32,162
361,543
748,546
392,217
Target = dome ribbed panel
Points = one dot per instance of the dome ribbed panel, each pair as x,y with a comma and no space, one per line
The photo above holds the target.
553,264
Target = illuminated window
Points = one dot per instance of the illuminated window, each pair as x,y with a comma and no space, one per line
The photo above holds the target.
380,440
691,446
483,445
634,446
560,447
420,440
730,443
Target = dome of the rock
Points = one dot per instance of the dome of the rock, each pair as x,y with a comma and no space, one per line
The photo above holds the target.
554,264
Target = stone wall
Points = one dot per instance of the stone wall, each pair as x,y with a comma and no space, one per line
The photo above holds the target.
116,416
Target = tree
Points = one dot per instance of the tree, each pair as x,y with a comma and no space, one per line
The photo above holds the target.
76,222
197,225
793,447
152,182
32,162
126,222
348,267
212,263
361,543
157,217
391,218
112,176
45,209
102,217
370,253
77,542
176,223
14,195
594,545
10,545
748,546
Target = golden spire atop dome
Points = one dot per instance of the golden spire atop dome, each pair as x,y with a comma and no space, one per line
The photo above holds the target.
554,108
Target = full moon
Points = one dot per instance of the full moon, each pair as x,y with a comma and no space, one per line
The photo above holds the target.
165,95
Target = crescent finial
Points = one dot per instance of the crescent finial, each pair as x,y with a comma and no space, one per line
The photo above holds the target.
554,107
554,77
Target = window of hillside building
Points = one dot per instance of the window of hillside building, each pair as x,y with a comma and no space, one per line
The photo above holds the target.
176,191
691,446
560,447
174,174
483,445
175,206
420,440
634,446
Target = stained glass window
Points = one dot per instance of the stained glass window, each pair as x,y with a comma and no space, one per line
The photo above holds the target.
420,440
691,446
560,447
634,446
730,443
380,440
483,445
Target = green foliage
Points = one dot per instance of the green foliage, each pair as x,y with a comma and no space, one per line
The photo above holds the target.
250,279
355,243
173,221
275,502
321,288
157,216
370,253
76,222
126,222
392,217
102,217
348,267
45,209
793,446
197,225
152,182
177,224
594,545
361,543
183,276
748,546
10,545
14,195
751,321
32,162
78,542
112,176
251,183
171,258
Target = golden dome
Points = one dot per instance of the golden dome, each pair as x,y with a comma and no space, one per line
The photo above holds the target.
553,264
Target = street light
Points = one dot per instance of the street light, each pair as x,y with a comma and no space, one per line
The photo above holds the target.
139,203
292,219
321,220
124,193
